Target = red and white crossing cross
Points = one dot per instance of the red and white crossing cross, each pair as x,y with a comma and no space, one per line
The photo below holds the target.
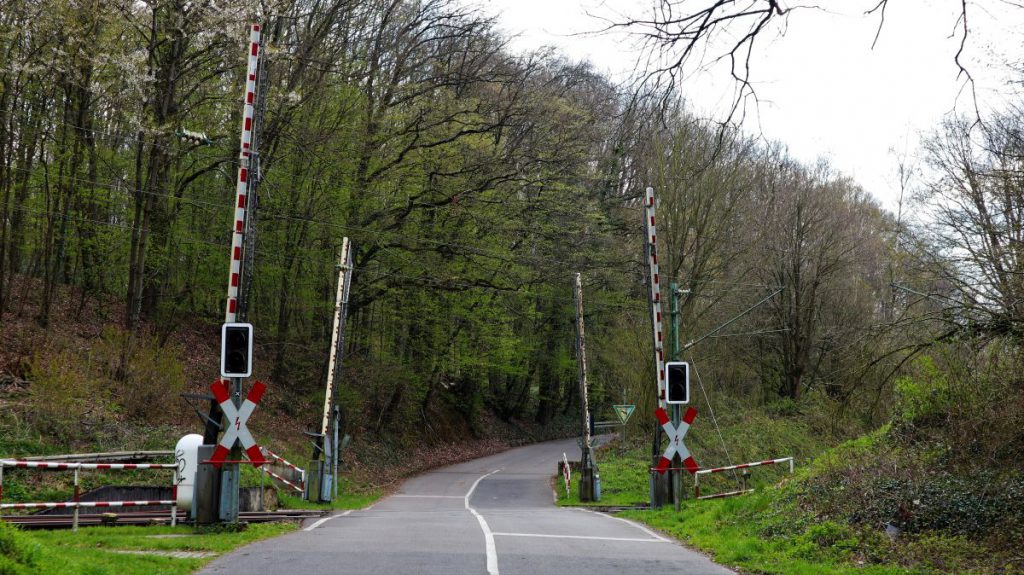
237,418
675,440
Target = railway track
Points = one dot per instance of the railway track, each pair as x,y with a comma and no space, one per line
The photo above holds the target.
147,518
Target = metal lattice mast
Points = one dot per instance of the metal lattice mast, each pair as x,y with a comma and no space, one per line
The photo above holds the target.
338,334
655,293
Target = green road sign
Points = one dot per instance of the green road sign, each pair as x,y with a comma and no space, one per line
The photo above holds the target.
624,411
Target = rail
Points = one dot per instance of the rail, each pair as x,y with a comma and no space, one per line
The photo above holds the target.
77,503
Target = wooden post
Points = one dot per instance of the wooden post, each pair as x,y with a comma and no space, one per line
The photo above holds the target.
337,350
586,460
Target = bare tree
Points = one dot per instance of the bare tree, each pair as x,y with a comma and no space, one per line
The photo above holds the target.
680,36
975,204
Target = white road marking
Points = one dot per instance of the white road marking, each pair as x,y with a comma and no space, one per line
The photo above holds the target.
492,551
325,520
628,522
590,537
431,496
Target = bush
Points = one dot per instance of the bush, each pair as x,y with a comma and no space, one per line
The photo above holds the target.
17,556
925,397
153,373
120,378
63,395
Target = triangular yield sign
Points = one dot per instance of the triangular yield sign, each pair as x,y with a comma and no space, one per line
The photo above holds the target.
623,411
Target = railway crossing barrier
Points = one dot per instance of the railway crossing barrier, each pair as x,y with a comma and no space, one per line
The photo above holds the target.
272,457
744,489
566,473
76,503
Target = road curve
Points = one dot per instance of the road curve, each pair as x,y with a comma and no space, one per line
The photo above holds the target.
487,516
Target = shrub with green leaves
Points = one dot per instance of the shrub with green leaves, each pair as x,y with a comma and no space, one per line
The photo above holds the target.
17,556
925,396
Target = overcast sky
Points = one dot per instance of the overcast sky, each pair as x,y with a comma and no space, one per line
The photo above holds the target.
823,90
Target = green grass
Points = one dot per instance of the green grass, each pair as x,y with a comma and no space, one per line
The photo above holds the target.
732,531
623,480
93,550
343,501
776,531
761,533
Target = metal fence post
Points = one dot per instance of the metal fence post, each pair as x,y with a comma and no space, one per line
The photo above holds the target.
74,523
263,496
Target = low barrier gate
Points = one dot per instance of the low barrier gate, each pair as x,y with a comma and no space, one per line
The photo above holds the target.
699,472
270,455
76,504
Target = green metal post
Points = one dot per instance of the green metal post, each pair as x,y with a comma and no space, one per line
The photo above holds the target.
677,478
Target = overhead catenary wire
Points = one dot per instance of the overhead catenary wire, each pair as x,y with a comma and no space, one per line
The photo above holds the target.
714,419
433,280
366,235
329,253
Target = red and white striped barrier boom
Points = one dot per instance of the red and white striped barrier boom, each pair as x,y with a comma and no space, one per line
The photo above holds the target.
67,504
566,472
746,465
655,285
74,465
725,494
696,476
302,472
298,488
271,455
238,233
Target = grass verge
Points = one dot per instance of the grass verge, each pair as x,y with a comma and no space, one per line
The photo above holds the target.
123,550
345,500
733,532
782,529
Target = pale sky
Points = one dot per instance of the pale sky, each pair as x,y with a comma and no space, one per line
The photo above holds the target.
823,90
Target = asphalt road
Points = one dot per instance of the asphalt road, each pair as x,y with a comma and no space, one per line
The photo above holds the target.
488,516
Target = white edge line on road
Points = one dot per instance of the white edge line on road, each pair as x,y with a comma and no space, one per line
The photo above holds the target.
430,496
628,522
325,520
492,551
589,537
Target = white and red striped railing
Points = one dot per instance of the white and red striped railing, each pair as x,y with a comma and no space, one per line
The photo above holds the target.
298,488
301,487
77,503
699,472
68,504
76,465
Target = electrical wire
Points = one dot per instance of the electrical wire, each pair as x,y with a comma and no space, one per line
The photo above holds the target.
714,419
423,278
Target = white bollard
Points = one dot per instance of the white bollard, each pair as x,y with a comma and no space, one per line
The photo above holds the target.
186,453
